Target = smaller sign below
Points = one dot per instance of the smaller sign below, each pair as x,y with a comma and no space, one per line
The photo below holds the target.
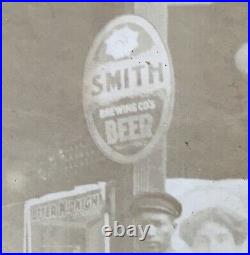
64,221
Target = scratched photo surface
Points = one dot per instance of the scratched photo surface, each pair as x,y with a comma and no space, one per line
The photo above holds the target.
125,127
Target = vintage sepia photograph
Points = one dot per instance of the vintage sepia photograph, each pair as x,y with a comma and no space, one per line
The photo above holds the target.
125,127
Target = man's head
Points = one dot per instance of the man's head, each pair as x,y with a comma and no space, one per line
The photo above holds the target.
159,211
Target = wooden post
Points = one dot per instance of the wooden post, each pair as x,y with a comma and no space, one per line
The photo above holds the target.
150,172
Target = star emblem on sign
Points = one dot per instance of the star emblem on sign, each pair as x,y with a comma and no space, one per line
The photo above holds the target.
121,43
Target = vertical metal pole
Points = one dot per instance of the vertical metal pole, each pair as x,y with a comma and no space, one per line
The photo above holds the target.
150,173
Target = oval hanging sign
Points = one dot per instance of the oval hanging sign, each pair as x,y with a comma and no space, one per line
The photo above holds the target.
128,89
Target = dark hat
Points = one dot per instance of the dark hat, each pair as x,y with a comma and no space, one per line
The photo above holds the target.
235,223
156,201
